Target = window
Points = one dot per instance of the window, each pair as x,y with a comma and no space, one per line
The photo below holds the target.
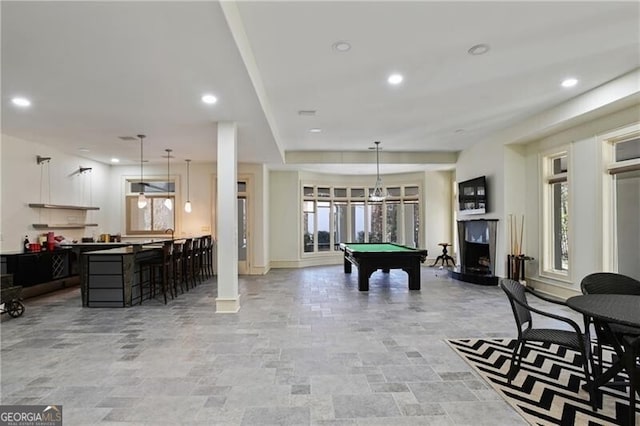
556,215
309,224
155,218
323,226
412,221
394,221
340,218
334,215
623,169
357,223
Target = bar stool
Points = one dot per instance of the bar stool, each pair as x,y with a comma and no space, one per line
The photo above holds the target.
201,258
167,264
187,264
210,255
196,257
444,257
176,264
202,252
145,269
152,266
207,259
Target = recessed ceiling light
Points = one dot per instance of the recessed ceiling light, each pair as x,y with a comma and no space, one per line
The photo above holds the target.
84,149
115,160
341,46
315,130
21,102
209,99
395,79
479,49
569,82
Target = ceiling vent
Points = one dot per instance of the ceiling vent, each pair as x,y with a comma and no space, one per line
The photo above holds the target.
307,112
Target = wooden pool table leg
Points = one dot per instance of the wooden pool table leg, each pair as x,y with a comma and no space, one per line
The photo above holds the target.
414,277
347,266
363,278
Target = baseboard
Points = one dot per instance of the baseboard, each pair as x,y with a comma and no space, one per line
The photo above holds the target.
320,261
552,289
303,263
259,270
48,287
227,306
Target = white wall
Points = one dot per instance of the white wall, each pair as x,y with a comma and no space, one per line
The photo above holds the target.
198,222
105,187
202,177
488,160
284,218
586,199
266,215
259,214
438,216
514,201
23,181
285,211
514,181
628,194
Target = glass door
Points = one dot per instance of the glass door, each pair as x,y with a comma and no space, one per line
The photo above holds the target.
243,229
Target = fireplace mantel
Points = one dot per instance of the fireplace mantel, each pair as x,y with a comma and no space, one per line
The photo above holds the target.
477,242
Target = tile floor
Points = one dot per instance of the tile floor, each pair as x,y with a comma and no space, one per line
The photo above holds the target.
306,348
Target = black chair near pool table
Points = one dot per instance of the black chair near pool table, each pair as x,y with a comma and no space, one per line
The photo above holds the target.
572,339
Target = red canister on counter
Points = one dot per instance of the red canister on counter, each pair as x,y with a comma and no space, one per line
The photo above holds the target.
51,242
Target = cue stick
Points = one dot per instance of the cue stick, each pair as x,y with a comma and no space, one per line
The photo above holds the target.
521,235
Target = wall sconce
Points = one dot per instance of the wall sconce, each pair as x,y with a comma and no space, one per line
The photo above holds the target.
40,159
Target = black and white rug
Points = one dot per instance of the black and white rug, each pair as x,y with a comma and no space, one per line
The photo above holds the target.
548,388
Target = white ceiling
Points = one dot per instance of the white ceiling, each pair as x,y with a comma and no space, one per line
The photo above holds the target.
98,70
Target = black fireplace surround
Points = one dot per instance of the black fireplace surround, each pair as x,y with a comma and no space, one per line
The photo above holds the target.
477,242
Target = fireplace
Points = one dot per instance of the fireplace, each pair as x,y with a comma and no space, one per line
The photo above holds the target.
477,251
477,258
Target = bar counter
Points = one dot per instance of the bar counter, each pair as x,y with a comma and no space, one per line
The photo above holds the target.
112,277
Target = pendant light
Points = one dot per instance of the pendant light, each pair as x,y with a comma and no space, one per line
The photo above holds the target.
167,202
142,200
378,193
187,205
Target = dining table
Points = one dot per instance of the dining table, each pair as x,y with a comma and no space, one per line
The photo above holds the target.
620,309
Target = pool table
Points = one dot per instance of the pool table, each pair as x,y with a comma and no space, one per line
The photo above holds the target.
369,257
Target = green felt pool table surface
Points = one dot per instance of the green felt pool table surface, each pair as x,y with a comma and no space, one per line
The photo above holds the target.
377,247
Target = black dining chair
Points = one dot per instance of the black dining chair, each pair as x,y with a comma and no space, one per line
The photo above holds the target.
616,336
631,345
573,339
610,283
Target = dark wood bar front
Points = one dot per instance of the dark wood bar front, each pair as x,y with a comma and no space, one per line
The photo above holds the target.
114,277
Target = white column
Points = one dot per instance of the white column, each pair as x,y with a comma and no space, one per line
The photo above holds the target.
228,300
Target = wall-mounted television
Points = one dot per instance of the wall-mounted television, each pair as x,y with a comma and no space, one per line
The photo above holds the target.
472,196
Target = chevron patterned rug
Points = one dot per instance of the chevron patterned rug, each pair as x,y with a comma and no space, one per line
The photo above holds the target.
548,388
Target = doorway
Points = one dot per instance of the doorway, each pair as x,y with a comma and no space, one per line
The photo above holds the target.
244,266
